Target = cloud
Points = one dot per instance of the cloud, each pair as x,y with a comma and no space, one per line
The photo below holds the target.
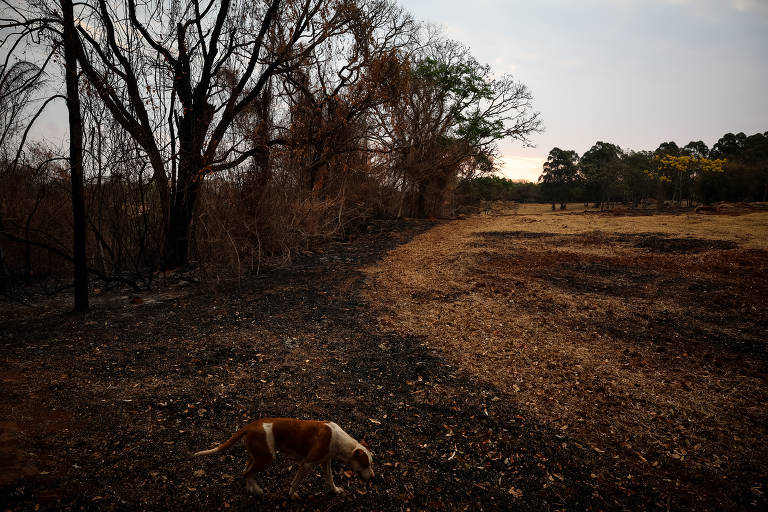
739,5
747,5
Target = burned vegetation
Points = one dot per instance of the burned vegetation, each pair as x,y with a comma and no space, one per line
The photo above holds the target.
482,376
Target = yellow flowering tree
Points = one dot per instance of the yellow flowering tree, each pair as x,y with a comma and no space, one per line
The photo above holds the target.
681,171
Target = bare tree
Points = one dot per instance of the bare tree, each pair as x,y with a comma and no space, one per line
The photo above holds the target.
41,33
160,69
75,155
19,80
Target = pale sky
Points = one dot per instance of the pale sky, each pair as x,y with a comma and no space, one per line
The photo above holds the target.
631,72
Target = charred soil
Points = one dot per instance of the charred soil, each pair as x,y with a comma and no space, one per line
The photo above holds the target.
102,412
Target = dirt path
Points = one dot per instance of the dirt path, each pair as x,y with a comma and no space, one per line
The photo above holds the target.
101,412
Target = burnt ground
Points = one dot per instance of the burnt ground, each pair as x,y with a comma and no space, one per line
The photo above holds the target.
101,412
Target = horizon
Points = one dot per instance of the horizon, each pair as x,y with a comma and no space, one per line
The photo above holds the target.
691,70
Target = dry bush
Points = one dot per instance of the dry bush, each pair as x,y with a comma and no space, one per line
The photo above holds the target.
124,227
35,211
245,223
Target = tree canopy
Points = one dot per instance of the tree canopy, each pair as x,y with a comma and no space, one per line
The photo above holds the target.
561,174
734,169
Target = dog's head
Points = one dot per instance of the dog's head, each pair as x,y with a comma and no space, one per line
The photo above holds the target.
361,462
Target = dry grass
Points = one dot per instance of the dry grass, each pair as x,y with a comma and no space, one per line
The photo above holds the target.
749,231
642,336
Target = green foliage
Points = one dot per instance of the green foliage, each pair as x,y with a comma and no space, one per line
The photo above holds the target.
468,105
735,169
637,183
464,79
696,148
475,127
728,146
668,148
495,188
561,174
746,169
601,167
461,85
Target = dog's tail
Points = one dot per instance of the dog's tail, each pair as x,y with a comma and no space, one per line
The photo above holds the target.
225,445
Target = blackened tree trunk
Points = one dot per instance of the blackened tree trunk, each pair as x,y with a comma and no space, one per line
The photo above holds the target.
5,275
181,217
421,200
75,157
192,169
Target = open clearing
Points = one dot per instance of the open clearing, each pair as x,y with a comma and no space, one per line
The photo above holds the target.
643,337
536,359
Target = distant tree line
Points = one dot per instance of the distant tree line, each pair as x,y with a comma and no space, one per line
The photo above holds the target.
734,169
225,132
472,190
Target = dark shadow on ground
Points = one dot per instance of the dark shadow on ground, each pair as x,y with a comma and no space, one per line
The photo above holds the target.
653,242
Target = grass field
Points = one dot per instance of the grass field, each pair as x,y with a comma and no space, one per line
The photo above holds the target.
642,337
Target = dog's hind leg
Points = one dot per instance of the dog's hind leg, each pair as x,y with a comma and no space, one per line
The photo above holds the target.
256,465
259,459
250,481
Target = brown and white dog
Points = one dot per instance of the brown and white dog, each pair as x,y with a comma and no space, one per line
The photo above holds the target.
310,442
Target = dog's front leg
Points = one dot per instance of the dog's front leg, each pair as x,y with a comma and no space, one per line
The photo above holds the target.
300,474
252,486
329,478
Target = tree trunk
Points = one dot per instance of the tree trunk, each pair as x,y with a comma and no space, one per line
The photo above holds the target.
182,212
180,227
5,274
28,251
421,200
660,196
75,158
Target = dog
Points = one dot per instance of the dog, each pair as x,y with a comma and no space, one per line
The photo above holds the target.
308,441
